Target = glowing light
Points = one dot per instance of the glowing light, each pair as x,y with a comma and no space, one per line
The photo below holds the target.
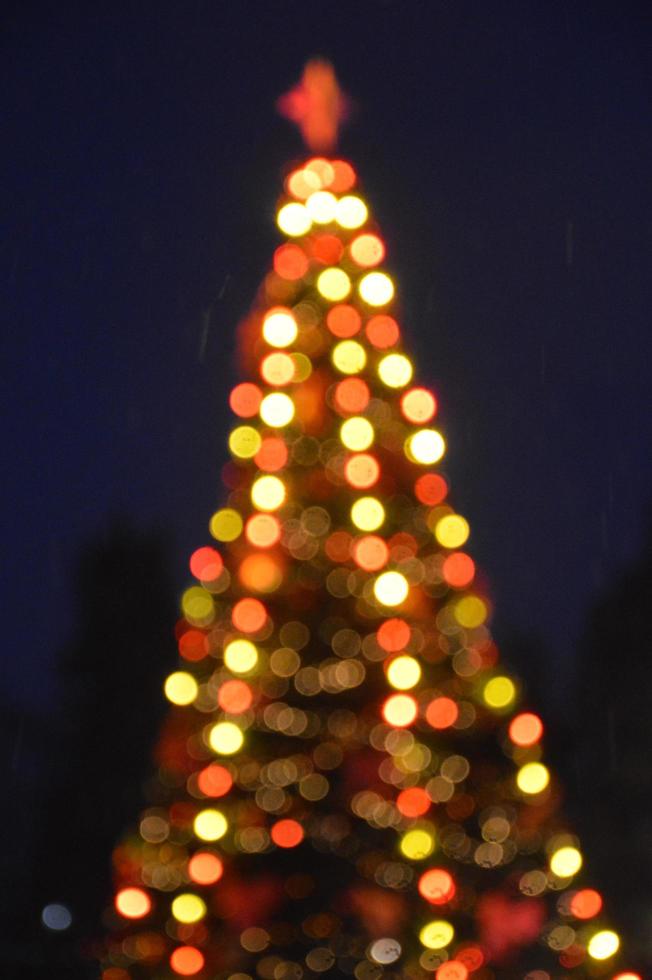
426,446
279,327
382,331
499,692
206,564
413,802
186,961
352,395
276,369
192,645
418,405
277,409
452,970
367,513
586,903
458,570
326,249
367,250
437,886
244,442
349,357
272,455
351,212
235,697
181,688
442,713
290,262
287,833
343,320
393,635
188,908
532,778
403,673
226,738
357,433
603,944
293,219
215,780
400,710
525,729
470,611
376,289
240,656
263,530
370,553
205,868
431,489
417,844
268,493
391,588
333,284
452,530
395,370
343,176
437,934
226,524
245,400
210,825
197,605
133,903
56,917
302,183
249,615
566,861
321,206
260,573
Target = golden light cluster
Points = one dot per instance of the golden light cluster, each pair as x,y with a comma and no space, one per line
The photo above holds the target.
349,780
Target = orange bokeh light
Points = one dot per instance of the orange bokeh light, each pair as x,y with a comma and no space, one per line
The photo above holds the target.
367,250
352,395
263,530
442,713
458,569
245,399
526,729
192,645
215,780
362,471
235,696
326,249
437,886
260,573
133,903
287,833
586,904
400,710
452,970
382,331
471,956
431,489
206,564
277,369
205,868
186,961
249,615
418,405
413,802
343,320
343,176
370,552
338,546
393,635
272,455
290,262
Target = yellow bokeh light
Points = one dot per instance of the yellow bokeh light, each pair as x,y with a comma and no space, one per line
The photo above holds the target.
417,844
566,862
349,357
376,288
357,433
395,370
532,778
403,673
293,219
437,934
226,738
367,513
244,442
321,207
391,588
603,944
426,446
267,493
280,328
277,409
452,530
240,656
334,284
210,825
499,692
197,605
351,211
470,611
181,688
188,908
226,524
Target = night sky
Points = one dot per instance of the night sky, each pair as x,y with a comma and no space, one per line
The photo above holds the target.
506,151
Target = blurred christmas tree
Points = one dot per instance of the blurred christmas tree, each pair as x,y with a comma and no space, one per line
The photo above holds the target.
348,784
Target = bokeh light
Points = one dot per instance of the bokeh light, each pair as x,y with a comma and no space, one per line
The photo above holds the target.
376,289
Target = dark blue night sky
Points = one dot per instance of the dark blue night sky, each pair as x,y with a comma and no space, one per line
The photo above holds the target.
505,149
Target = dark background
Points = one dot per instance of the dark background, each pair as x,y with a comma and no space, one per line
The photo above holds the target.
506,150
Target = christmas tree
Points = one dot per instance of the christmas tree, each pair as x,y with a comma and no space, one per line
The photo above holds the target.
349,783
